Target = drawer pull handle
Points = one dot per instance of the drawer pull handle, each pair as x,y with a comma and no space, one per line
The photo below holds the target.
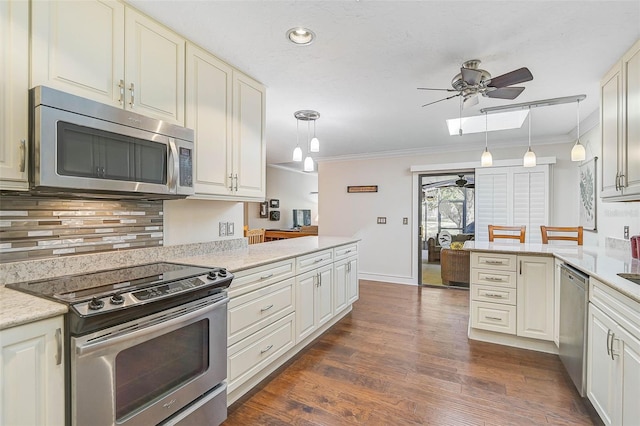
497,279
348,251
608,344
264,277
23,155
267,349
494,296
318,260
58,346
494,318
494,262
267,308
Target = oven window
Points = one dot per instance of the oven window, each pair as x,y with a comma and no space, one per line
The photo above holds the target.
152,369
86,152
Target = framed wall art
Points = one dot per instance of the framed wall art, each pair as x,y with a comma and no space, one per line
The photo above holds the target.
274,204
588,185
274,215
264,209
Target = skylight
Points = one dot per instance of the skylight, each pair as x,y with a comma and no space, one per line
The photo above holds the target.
497,121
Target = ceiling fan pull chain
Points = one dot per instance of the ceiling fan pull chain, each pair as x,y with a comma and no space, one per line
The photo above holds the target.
460,121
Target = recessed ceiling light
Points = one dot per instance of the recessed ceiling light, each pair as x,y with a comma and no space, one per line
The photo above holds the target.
301,36
494,122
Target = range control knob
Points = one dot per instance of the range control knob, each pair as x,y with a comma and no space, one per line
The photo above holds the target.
117,299
222,273
96,304
212,275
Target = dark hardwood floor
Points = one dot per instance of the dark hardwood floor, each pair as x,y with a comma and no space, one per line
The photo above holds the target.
402,357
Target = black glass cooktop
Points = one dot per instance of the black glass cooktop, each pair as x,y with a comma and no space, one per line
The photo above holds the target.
74,288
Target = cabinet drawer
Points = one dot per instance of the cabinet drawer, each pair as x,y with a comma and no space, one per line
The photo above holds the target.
253,311
252,354
619,307
493,317
313,260
345,251
502,295
261,276
503,262
493,278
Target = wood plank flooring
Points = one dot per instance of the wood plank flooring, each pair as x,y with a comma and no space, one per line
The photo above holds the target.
402,357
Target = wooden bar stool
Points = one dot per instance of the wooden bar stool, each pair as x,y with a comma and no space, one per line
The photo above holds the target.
521,232
255,236
563,231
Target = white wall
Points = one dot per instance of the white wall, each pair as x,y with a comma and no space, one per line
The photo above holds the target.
196,221
295,190
389,252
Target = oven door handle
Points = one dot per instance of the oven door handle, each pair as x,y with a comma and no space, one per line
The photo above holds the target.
146,331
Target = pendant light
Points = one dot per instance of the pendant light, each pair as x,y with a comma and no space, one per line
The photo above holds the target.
529,156
577,152
487,159
297,152
314,145
308,161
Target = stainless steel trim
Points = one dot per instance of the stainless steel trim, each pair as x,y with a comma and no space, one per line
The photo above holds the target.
210,409
132,90
173,154
23,155
121,87
58,346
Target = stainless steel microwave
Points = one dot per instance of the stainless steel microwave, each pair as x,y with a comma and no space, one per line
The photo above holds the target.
84,148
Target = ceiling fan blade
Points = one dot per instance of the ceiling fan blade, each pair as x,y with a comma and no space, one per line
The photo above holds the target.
469,102
431,103
471,77
443,90
505,93
514,77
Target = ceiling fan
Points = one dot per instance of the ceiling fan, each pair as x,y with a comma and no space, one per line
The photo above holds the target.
472,81
462,182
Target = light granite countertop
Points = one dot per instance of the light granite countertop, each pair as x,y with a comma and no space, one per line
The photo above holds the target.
18,308
603,264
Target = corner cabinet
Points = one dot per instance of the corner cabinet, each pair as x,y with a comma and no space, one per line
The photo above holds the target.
111,53
620,127
32,374
613,355
14,83
227,111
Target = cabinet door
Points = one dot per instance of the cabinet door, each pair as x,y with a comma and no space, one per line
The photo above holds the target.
340,285
535,297
154,73
249,148
631,130
325,293
14,83
32,367
208,112
611,128
353,285
305,304
601,369
78,47
630,370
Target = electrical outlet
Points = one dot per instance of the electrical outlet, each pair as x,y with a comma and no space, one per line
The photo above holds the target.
382,220
405,220
626,232
230,228
222,229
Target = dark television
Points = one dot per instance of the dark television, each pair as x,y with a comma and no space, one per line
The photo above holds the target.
301,218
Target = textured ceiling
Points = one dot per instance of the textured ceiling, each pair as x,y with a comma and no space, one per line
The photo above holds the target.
369,57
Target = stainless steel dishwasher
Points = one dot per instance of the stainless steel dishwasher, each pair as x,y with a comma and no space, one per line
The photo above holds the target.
573,324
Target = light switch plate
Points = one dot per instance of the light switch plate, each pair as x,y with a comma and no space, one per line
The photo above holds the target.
405,220
222,229
230,228
382,220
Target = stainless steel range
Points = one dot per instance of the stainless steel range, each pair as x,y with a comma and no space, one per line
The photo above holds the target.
147,344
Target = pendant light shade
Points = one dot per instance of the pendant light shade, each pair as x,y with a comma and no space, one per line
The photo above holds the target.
487,159
578,152
308,164
314,145
297,154
529,156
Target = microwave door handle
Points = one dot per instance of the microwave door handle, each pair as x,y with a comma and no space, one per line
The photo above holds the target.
174,165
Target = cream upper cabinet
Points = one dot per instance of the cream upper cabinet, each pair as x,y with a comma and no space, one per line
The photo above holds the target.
14,83
209,113
32,374
249,147
105,51
78,47
620,127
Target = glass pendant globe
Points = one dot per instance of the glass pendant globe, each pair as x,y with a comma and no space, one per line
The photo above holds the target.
297,154
487,159
308,164
529,159
577,152
314,145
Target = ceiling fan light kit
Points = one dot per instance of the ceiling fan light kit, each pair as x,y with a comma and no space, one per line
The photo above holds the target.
313,145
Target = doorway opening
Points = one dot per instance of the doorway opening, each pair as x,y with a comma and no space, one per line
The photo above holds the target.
447,220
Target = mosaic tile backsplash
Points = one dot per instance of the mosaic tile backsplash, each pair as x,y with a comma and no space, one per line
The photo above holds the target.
37,228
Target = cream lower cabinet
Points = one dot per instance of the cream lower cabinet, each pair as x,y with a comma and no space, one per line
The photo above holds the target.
346,288
512,294
613,355
109,52
14,83
313,292
32,374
